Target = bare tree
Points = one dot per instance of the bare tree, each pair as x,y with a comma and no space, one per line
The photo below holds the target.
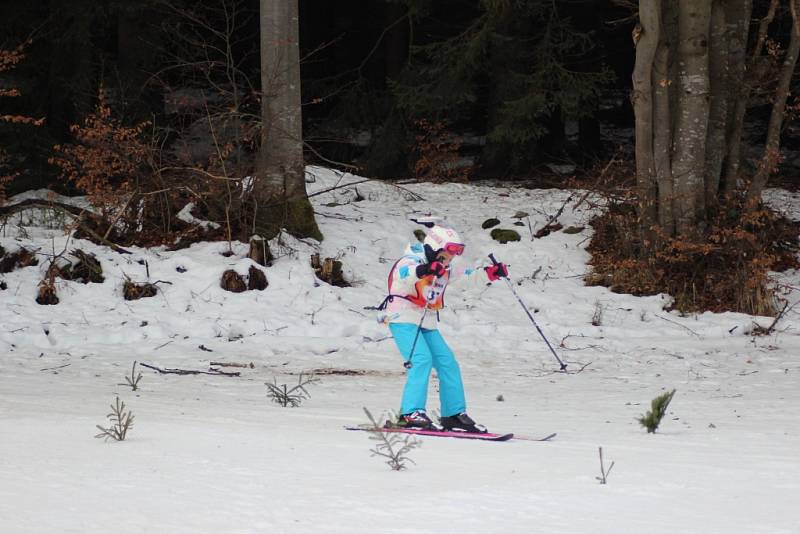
771,155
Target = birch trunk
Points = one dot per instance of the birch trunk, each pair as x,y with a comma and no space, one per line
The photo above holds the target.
691,126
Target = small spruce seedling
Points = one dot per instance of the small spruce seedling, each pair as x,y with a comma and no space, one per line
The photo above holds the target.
658,408
121,423
390,445
286,396
133,379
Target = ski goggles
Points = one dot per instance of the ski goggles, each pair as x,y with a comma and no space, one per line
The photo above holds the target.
455,249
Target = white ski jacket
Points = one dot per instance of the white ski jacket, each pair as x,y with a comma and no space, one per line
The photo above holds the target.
409,295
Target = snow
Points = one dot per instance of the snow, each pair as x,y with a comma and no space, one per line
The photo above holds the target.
212,454
185,215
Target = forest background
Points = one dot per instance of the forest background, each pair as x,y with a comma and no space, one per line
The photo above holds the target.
152,106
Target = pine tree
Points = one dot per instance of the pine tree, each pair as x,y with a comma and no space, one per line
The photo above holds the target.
511,65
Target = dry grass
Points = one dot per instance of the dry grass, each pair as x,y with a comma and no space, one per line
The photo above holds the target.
726,269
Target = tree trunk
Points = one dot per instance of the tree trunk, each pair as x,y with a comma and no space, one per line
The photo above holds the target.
718,73
280,187
663,89
736,126
772,147
642,100
259,251
691,126
738,21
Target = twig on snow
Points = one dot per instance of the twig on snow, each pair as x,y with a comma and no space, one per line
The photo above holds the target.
677,323
190,371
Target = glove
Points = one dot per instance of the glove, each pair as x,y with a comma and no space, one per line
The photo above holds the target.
434,268
494,272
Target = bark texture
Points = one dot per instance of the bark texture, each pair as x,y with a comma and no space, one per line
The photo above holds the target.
281,178
642,99
692,81
691,125
663,96
719,74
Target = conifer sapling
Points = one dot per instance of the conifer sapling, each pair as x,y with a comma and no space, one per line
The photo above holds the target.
658,408
392,446
122,422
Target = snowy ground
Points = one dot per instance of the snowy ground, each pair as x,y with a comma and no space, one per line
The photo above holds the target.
212,454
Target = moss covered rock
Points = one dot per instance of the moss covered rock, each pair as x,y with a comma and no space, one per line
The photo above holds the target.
503,236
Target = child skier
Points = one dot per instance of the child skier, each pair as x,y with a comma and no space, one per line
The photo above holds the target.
417,284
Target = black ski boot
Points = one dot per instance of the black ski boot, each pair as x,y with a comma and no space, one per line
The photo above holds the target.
462,423
417,419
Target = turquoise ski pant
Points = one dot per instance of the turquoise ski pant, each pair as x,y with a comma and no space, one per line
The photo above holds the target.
431,351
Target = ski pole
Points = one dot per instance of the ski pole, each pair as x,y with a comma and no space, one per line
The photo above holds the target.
530,316
407,363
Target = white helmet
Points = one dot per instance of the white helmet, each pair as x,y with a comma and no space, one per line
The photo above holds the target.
443,238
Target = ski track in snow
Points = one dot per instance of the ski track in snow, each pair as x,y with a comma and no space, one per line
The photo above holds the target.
212,454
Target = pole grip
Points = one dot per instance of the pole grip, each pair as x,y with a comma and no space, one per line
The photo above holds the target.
495,262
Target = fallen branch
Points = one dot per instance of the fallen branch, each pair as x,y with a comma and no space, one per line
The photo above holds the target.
114,247
555,217
677,324
54,368
11,209
596,184
759,330
78,213
341,186
559,372
414,196
167,371
234,364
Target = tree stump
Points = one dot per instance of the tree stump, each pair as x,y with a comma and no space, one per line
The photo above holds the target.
233,282
256,279
259,251
88,268
133,291
329,270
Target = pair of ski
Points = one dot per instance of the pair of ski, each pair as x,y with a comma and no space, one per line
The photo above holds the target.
482,436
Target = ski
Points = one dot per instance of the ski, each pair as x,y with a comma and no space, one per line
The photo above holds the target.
451,434
483,436
528,438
